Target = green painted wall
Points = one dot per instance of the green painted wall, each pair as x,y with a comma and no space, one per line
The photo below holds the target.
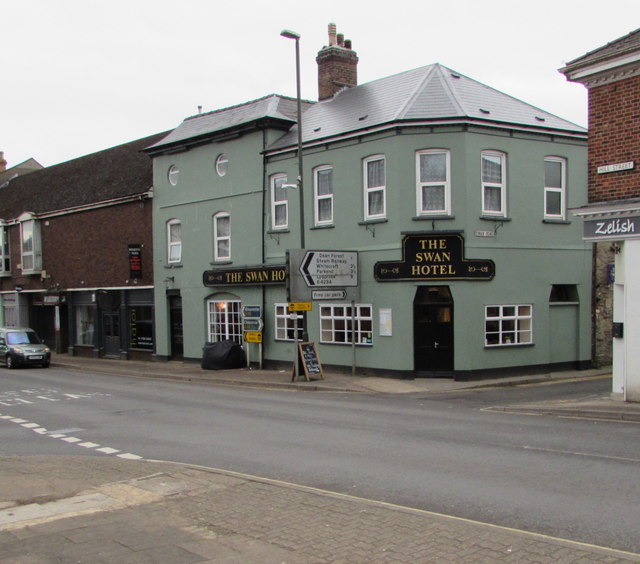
530,255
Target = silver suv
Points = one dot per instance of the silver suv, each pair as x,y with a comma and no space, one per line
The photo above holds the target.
21,346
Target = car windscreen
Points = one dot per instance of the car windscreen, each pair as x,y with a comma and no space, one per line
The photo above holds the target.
22,338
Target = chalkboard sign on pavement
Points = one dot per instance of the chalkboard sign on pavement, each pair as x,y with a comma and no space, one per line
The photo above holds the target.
309,361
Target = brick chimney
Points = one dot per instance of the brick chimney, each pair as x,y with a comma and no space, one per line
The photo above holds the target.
3,163
337,65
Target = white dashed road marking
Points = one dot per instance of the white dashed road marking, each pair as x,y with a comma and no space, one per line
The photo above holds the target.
37,428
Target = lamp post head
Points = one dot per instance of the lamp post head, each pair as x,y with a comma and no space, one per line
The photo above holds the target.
290,34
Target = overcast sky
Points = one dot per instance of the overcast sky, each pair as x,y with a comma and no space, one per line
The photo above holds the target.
80,76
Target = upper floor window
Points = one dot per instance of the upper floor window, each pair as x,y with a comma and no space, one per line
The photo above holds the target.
374,187
279,202
554,188
323,195
30,244
221,236
5,263
433,189
172,175
494,183
174,241
222,165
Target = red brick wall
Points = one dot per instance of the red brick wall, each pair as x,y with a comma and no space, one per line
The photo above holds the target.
88,249
614,137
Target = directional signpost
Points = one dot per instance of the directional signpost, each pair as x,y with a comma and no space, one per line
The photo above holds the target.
252,325
330,268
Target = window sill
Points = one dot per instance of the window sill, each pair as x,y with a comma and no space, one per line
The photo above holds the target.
221,262
508,345
432,217
31,272
176,265
373,221
277,231
332,226
557,221
347,344
495,218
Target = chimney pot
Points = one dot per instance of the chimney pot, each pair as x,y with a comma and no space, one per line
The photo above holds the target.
341,39
332,34
3,163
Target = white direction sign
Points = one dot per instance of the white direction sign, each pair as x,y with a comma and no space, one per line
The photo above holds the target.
330,268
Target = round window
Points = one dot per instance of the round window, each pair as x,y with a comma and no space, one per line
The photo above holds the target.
222,165
172,175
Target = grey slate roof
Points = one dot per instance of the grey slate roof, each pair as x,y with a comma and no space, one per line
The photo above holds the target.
621,46
118,172
429,94
273,107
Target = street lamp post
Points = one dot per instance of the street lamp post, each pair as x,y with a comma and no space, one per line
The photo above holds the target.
296,36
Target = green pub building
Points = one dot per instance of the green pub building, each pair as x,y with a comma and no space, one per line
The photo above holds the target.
436,239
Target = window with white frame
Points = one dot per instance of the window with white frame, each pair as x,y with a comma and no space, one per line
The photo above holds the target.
5,263
288,323
374,187
508,325
433,189
338,323
30,244
174,241
224,321
172,175
221,237
554,188
494,183
323,195
279,202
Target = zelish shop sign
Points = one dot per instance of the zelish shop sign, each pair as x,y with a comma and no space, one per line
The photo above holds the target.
434,257
612,228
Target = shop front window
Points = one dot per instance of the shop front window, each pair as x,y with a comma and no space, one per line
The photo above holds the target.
141,327
85,325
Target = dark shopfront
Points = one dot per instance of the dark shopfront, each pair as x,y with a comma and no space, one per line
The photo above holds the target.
112,323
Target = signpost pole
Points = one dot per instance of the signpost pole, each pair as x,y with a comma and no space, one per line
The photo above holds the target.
353,338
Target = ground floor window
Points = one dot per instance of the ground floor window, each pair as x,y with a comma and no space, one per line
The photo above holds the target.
85,324
141,327
508,325
224,321
337,324
288,323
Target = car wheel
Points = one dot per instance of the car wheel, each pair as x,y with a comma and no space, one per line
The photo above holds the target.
11,363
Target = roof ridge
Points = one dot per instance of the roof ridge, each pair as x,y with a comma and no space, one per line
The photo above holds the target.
402,111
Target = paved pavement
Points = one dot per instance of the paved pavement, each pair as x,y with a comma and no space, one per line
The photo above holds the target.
99,509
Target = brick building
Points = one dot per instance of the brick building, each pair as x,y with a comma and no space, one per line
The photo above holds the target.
612,218
76,253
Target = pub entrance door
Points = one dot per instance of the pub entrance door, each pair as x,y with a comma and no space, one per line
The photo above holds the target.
175,327
433,331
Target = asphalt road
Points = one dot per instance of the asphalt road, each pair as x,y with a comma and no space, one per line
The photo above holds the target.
569,478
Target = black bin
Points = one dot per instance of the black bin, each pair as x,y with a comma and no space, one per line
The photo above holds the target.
222,355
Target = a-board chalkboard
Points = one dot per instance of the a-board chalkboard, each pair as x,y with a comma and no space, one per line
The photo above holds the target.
309,361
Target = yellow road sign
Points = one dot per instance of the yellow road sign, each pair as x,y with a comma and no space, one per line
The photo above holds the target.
253,336
299,306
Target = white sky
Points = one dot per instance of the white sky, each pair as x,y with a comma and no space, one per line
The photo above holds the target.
80,76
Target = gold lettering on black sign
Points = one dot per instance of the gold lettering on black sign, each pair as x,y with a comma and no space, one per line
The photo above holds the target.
433,257
250,276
